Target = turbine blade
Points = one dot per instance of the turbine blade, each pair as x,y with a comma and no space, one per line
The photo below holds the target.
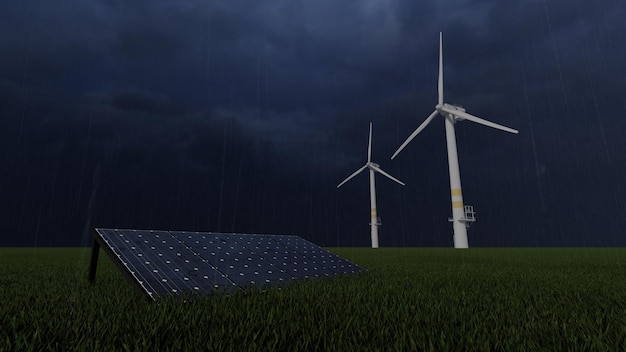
354,174
415,133
377,169
478,120
369,146
440,85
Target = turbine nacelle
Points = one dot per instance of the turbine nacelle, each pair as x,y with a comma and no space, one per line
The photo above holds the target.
450,107
454,107
439,107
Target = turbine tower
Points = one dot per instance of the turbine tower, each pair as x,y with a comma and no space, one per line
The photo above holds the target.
373,167
452,114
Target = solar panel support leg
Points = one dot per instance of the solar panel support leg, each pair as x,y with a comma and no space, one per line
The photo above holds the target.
93,265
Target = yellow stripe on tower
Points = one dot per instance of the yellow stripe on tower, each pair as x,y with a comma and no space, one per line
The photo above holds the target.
456,192
373,212
457,204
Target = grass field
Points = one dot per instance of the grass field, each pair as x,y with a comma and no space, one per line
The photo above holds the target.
414,299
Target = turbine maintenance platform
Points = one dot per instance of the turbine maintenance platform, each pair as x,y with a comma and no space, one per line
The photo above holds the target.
469,216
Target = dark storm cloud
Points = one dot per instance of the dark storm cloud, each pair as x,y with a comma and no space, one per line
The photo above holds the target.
142,44
136,102
243,116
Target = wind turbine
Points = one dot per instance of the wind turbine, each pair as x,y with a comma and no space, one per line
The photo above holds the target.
373,167
452,114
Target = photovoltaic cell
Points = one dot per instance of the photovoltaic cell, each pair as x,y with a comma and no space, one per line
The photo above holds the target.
318,257
163,263
237,262
272,252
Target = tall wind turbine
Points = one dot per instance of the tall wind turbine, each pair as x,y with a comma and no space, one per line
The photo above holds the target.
373,167
452,114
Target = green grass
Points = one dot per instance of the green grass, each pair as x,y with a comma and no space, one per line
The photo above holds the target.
426,299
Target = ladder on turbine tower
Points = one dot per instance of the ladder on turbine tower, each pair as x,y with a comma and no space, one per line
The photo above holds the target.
469,216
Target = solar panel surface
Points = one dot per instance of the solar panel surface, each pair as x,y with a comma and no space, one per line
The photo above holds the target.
164,263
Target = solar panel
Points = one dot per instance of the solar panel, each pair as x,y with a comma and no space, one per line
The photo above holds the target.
162,263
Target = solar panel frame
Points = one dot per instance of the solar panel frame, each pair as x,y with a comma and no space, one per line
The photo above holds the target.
99,243
161,263
155,272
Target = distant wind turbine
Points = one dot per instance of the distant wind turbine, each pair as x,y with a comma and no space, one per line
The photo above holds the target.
452,114
373,167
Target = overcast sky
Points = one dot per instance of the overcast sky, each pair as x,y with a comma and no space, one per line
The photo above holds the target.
243,116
